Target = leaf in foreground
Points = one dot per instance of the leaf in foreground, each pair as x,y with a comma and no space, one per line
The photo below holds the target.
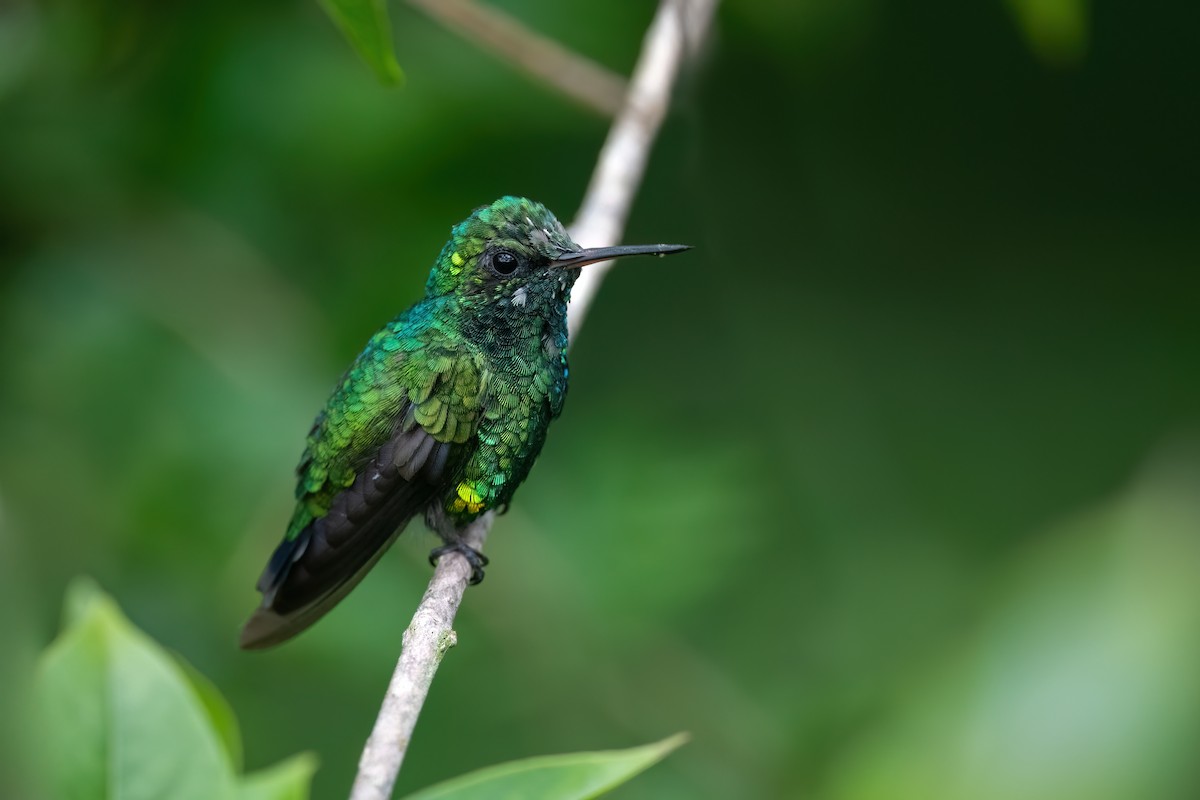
1083,681
119,718
288,780
571,776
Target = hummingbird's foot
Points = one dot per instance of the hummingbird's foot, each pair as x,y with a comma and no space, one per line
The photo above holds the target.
476,559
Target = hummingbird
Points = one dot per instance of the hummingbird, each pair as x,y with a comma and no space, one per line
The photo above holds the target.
442,414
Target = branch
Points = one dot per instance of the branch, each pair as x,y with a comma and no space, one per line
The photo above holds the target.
428,637
600,222
677,29
576,76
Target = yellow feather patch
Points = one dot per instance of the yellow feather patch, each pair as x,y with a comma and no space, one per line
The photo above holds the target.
456,259
468,499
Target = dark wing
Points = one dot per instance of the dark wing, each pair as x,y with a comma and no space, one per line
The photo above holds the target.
352,508
310,574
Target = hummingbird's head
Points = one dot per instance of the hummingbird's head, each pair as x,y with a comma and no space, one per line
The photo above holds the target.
516,244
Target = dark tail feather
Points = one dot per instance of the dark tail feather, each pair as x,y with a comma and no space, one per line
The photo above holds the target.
269,626
309,574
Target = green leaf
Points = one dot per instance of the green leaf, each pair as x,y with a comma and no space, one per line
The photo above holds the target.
81,597
288,780
572,776
365,23
118,717
1080,682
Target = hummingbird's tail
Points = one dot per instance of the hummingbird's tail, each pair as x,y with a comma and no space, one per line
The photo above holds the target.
269,626
311,572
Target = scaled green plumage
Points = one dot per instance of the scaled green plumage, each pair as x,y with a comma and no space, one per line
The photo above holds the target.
443,413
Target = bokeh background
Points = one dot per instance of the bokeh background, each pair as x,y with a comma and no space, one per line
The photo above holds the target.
890,489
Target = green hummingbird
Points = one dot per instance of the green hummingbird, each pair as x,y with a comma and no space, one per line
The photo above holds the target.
442,413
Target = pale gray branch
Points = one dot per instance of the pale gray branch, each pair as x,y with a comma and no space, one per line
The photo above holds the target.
426,640
677,29
576,76
600,222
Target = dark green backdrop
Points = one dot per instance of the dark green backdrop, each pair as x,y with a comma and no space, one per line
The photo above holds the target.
888,490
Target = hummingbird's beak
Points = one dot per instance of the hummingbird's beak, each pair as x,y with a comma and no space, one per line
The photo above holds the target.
579,258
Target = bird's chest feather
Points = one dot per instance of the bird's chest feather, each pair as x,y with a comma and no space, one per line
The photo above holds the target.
527,386
525,357
522,337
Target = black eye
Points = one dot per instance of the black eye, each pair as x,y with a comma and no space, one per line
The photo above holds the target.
505,263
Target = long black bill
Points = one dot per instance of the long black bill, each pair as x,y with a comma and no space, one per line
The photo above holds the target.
594,254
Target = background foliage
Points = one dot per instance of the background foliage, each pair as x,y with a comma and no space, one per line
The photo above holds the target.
887,490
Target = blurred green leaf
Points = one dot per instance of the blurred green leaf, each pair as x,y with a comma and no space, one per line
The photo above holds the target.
366,24
80,600
121,719
1081,685
573,776
1056,29
288,780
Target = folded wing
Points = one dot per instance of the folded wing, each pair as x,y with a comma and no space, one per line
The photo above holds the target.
385,447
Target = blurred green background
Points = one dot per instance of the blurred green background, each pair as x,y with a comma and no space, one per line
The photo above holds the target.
890,489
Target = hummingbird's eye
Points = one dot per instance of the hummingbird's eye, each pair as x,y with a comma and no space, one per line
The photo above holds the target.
505,263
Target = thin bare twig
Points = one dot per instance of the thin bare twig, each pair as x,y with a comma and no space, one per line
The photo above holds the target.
426,640
576,76
600,222
676,30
